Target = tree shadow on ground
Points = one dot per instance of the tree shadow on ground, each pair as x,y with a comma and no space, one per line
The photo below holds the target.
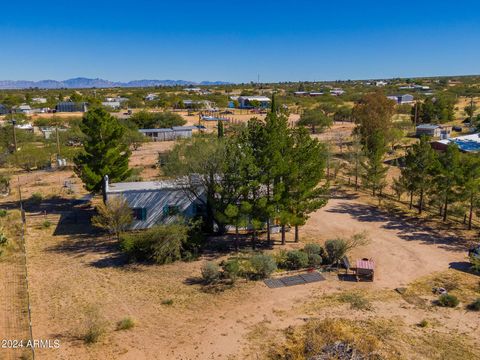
410,229
463,266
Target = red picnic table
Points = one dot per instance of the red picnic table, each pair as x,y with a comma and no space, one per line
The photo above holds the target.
365,269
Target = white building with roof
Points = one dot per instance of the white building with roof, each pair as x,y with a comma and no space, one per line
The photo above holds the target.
245,102
157,202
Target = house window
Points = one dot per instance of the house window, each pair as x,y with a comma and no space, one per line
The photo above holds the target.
170,210
139,214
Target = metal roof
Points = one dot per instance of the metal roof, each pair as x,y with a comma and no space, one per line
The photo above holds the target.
154,130
428,126
144,186
257,98
467,143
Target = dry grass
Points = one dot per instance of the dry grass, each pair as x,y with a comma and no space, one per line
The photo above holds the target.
357,299
374,339
466,287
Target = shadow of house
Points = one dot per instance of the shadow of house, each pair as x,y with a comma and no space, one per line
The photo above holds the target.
76,221
410,229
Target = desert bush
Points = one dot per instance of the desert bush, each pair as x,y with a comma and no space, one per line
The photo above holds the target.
337,248
4,184
125,324
3,242
475,263
46,224
115,216
3,213
210,272
94,332
36,198
474,306
167,302
161,244
3,239
314,249
296,259
231,269
315,260
262,265
448,300
423,323
281,258
95,325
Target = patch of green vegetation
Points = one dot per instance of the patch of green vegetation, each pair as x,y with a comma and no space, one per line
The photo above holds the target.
125,324
167,302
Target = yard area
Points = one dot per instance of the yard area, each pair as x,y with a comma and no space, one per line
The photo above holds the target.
74,274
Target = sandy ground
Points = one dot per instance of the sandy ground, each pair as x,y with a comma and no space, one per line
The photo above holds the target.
71,272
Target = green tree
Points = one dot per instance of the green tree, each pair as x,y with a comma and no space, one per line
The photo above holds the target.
418,173
374,170
471,183
156,120
448,177
105,152
435,110
373,116
470,110
220,129
316,119
303,192
201,161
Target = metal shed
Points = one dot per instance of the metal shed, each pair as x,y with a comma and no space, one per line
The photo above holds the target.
159,134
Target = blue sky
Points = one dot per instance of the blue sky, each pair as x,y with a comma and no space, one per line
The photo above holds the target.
236,40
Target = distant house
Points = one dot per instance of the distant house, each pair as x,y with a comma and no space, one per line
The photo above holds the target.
199,104
116,99
381,83
245,102
25,127
156,202
301,93
3,109
70,106
337,92
39,100
316,93
48,131
432,130
467,143
151,97
401,99
22,109
112,104
169,134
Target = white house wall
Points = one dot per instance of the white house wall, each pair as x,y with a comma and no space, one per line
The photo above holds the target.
155,201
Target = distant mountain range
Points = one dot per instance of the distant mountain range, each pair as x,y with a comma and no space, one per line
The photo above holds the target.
82,83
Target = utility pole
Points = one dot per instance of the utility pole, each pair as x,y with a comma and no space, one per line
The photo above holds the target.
416,113
14,123
471,108
58,141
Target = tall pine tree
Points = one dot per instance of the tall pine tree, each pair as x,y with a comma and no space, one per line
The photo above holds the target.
420,164
105,152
